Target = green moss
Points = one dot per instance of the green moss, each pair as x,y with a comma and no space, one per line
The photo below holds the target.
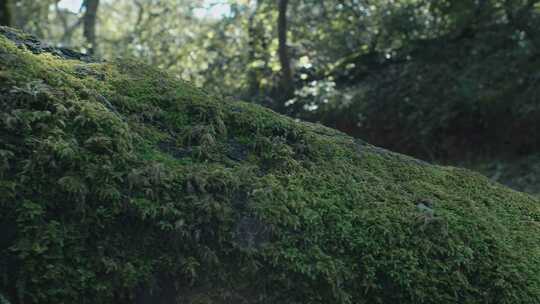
120,183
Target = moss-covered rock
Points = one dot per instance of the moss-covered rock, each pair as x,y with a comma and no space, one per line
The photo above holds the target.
122,184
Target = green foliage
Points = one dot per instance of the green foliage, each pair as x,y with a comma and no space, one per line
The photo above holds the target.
133,185
469,89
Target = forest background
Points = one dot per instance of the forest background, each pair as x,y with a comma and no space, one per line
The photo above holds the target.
449,81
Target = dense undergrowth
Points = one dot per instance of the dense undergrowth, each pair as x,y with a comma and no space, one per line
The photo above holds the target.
444,98
121,184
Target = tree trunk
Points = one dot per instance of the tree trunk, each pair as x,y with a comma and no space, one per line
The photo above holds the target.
253,38
89,24
287,86
5,13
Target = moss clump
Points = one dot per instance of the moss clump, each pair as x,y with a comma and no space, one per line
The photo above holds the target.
121,184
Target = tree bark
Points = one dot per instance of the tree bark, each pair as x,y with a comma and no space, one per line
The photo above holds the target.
6,13
89,24
286,85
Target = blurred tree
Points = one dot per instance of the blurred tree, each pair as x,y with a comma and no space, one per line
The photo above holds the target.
286,85
70,23
5,12
89,23
35,17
